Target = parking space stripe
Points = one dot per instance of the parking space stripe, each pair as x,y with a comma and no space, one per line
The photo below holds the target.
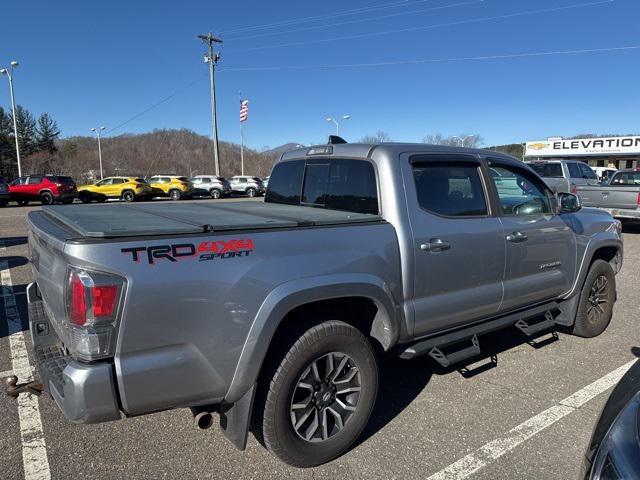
34,451
468,465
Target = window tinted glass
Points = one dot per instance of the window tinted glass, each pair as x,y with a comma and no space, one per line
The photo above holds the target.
165,180
35,180
352,187
521,195
553,170
141,180
626,178
118,181
316,179
574,170
285,184
183,179
106,181
453,189
587,172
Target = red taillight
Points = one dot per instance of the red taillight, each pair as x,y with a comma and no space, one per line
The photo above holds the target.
104,300
78,311
638,199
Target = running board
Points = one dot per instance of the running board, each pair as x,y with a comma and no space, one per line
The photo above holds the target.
530,329
456,356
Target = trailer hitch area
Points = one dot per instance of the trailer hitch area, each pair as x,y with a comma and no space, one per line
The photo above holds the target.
14,388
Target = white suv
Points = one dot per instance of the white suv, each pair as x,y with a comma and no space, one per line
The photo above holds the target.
212,185
250,186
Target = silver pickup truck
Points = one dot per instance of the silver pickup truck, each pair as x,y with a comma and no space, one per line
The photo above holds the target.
620,196
275,314
565,175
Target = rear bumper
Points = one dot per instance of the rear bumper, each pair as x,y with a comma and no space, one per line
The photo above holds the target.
626,214
85,393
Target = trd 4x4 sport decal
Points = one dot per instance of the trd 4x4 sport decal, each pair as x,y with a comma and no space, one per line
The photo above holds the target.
205,251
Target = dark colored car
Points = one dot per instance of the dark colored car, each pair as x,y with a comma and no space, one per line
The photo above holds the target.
4,192
46,189
614,450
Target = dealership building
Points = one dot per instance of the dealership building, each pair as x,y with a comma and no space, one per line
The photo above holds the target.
618,152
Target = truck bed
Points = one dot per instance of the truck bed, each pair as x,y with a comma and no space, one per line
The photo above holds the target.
130,220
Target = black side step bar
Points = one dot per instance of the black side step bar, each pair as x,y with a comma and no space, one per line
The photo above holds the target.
457,355
530,329
449,339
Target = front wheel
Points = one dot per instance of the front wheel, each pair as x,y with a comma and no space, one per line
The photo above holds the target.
128,196
46,198
596,301
215,193
320,397
251,192
175,195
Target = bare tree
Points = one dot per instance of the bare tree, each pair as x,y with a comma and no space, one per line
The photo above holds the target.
463,139
380,137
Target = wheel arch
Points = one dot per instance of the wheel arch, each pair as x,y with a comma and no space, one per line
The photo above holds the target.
377,318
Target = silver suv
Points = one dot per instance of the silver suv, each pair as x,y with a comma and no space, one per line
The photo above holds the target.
216,187
250,186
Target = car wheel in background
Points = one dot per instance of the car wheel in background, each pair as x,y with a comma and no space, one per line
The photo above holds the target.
251,192
316,396
175,194
595,307
46,198
128,196
215,193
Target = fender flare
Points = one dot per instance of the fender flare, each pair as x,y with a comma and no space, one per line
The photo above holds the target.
290,295
600,240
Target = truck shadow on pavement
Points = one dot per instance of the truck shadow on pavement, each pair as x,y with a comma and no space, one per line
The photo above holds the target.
631,227
13,261
12,241
20,294
402,381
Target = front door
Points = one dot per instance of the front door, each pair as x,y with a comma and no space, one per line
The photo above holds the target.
540,244
459,246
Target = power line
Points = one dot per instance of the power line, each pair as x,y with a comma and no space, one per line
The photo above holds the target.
360,20
325,16
435,60
427,27
157,104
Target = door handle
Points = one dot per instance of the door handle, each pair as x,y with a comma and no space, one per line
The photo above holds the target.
517,237
435,245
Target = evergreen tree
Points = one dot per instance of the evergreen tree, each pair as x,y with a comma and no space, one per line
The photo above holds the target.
7,146
47,133
26,124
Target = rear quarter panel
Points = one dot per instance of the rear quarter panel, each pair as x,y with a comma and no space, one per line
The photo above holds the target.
185,323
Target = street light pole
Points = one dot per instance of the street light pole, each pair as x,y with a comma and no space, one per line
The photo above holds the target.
331,119
463,139
97,131
9,74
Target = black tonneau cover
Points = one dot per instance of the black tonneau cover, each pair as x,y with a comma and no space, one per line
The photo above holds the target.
164,218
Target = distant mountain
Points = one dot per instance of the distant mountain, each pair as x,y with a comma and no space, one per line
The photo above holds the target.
278,151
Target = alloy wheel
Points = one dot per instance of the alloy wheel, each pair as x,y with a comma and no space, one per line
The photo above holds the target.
598,299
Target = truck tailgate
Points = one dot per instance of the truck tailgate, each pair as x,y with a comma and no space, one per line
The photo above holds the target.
609,197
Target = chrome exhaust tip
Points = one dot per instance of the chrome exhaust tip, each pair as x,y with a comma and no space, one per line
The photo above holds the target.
203,418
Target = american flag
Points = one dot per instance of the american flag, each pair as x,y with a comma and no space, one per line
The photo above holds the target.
244,110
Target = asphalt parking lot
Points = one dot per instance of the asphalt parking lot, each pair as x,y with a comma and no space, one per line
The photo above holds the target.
529,417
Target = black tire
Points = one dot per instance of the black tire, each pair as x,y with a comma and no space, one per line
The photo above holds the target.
85,198
276,404
175,194
215,193
128,196
101,199
46,198
251,192
595,307
22,203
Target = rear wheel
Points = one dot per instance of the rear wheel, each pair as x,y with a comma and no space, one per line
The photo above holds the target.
316,401
46,198
215,193
175,194
128,196
596,301
251,192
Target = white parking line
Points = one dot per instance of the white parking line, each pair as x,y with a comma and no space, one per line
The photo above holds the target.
34,451
493,450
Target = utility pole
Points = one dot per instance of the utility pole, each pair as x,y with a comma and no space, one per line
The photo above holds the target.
9,74
212,59
98,131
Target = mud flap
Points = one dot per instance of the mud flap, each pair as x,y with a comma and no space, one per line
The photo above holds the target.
235,419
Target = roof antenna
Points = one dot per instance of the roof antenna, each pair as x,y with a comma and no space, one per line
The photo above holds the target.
336,140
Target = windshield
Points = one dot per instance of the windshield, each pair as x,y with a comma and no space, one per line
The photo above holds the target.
626,179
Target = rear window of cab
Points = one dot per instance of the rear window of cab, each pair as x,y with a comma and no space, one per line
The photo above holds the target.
336,184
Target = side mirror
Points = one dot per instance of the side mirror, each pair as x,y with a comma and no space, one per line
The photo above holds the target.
568,203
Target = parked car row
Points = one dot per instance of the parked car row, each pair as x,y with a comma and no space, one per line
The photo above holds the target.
49,189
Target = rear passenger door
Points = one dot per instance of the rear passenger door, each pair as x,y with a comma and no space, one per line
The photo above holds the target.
459,246
540,245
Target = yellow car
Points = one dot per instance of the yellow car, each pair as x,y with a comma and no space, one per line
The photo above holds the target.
171,186
126,188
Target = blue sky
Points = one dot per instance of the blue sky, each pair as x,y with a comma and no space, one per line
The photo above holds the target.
102,63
